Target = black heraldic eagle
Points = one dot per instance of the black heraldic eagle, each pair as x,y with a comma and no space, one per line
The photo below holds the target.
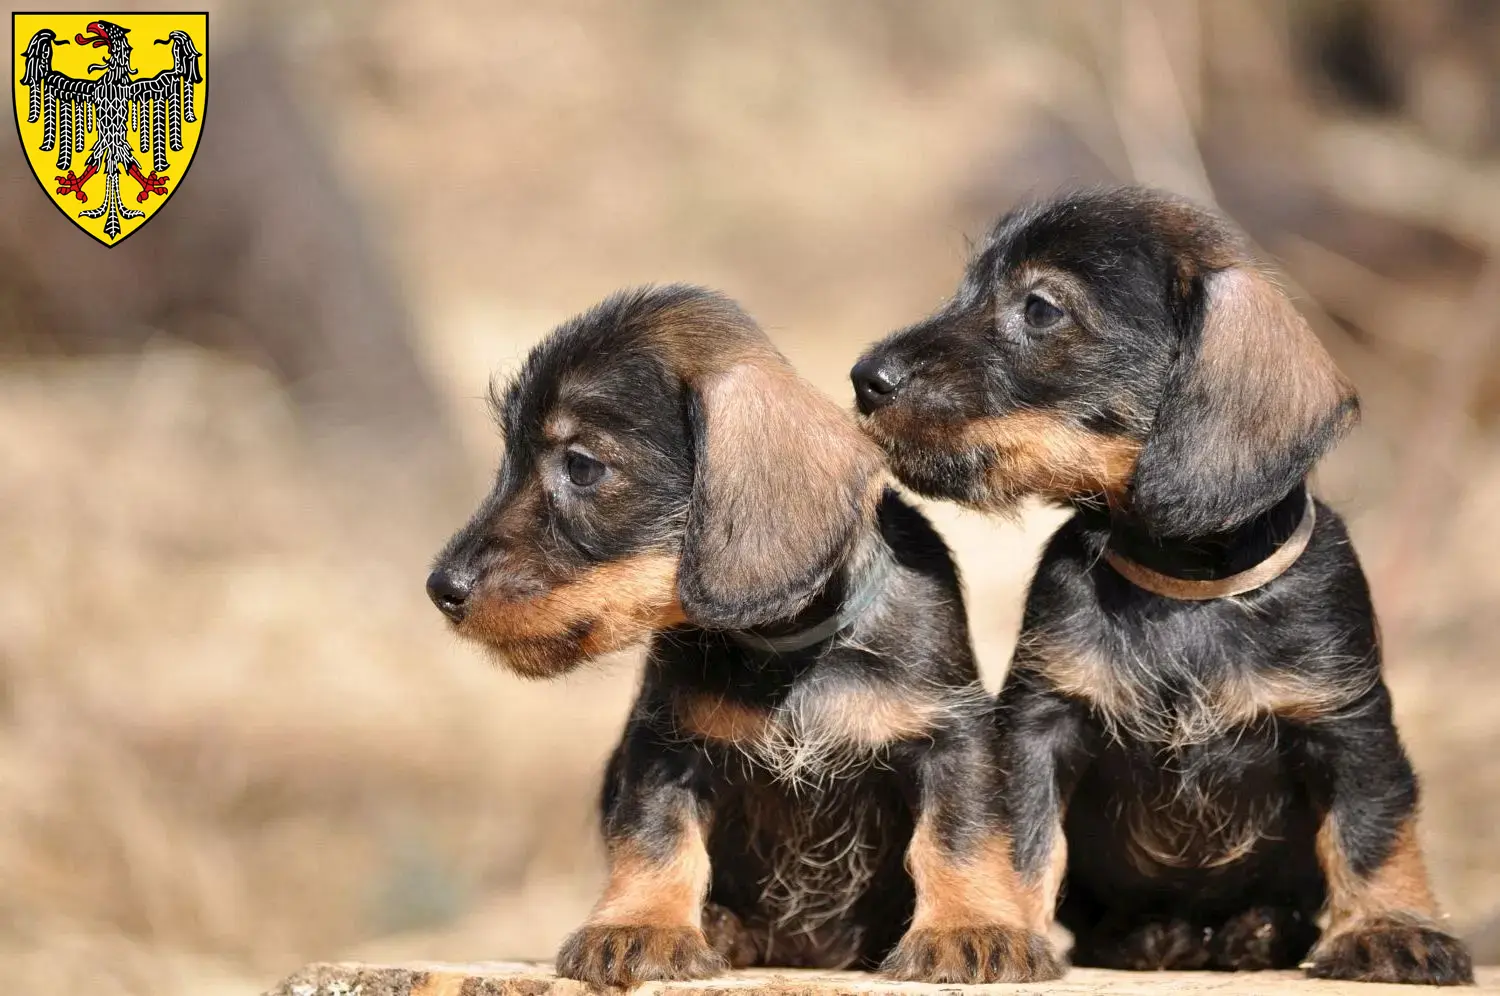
113,105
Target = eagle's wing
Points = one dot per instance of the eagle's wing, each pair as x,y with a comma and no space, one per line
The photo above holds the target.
58,99
39,71
168,98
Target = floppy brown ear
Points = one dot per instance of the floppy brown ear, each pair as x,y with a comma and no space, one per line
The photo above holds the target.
782,481
1251,404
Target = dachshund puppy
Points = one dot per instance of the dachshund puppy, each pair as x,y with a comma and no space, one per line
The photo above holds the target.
1195,714
808,775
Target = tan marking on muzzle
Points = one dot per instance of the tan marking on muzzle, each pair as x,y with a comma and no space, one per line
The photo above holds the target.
1041,453
616,603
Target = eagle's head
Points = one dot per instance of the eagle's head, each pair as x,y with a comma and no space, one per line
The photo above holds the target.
102,33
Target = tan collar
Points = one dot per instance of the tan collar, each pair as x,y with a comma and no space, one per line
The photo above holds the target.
1187,590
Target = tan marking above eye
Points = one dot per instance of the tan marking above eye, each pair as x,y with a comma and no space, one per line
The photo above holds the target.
559,428
1057,287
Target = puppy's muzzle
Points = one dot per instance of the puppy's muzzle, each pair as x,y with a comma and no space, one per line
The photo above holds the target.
449,591
877,380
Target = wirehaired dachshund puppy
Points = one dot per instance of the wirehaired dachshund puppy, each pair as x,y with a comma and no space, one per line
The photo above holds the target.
808,776
1195,713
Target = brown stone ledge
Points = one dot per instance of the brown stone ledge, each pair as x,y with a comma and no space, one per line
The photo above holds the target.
506,978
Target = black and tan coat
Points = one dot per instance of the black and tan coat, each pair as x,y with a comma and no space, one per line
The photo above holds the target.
669,478
1195,723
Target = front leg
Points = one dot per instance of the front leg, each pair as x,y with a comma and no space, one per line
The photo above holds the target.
1383,922
648,925
986,878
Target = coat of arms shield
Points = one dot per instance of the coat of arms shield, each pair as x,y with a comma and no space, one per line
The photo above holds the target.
110,109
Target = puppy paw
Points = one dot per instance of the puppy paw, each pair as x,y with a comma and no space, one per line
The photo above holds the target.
613,955
972,955
1393,950
728,935
1263,937
1150,946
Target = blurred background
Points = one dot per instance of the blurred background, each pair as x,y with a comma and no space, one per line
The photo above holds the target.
234,735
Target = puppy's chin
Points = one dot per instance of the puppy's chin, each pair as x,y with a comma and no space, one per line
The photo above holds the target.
994,463
540,658
995,480
933,460
545,656
960,476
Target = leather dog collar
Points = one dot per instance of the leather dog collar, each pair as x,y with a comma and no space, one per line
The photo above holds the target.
1190,590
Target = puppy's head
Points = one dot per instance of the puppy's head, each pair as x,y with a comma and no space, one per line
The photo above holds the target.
663,465
1113,345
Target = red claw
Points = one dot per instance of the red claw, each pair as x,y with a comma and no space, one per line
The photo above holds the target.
152,184
73,185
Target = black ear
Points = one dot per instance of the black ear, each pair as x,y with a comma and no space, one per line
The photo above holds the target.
782,480
1251,404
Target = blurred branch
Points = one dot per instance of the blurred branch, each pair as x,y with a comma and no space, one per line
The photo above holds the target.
1152,113
1435,447
1371,301
1372,168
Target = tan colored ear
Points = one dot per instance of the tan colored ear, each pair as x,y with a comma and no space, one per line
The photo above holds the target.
1252,403
783,479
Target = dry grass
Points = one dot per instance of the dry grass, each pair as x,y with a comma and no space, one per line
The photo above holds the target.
232,724
233,734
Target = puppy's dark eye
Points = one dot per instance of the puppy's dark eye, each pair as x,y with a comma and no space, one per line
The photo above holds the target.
583,470
1041,313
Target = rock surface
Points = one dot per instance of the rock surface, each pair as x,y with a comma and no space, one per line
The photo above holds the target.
530,979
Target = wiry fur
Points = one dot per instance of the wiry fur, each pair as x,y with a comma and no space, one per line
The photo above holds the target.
1223,770
760,807
826,730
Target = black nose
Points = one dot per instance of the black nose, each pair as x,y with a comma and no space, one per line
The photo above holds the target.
877,379
449,592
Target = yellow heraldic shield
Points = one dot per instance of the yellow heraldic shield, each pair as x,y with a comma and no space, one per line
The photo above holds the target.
110,109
